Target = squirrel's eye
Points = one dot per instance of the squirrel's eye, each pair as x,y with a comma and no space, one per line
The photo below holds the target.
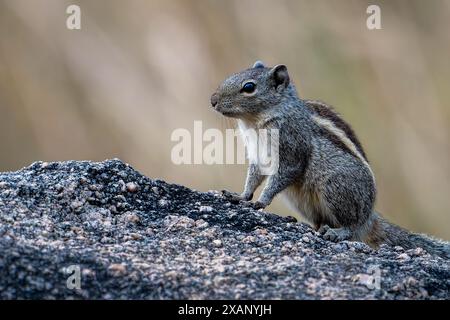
249,87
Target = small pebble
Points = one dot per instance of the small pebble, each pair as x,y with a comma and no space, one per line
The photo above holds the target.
217,243
403,257
117,269
261,231
76,205
419,252
249,239
206,209
83,180
135,236
133,218
163,202
132,187
155,190
171,274
201,224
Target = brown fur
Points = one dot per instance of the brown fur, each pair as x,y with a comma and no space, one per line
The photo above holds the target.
327,112
376,235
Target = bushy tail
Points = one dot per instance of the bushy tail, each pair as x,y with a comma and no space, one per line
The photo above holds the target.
394,235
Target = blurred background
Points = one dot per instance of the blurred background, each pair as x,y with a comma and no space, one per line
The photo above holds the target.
137,70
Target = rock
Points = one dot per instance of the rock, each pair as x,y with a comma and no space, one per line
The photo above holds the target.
261,231
201,224
171,274
135,236
163,203
117,269
155,190
418,252
403,257
133,218
147,239
131,187
205,209
367,280
249,239
76,205
217,243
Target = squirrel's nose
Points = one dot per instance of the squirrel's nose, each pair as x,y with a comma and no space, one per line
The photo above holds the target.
214,99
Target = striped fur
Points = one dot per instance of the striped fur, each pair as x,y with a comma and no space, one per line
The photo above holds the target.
341,132
325,111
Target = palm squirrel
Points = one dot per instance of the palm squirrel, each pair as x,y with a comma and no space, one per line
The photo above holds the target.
323,171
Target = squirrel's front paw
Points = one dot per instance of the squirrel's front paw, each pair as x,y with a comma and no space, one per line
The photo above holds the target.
259,205
231,196
235,197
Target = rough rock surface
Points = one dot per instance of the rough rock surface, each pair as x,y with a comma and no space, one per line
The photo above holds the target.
133,237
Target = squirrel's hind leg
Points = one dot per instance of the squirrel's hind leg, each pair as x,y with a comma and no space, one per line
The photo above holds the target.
335,234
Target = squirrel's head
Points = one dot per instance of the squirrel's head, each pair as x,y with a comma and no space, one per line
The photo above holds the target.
252,91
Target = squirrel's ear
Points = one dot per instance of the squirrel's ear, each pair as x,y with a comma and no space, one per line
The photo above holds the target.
259,64
280,75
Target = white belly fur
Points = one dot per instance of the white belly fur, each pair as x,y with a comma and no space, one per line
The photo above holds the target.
250,141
